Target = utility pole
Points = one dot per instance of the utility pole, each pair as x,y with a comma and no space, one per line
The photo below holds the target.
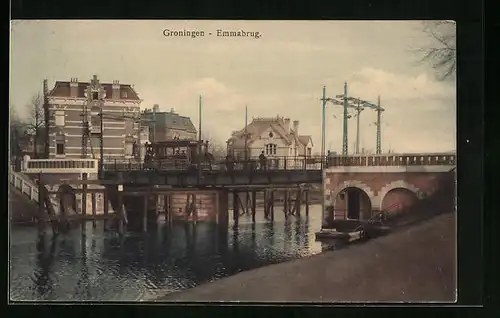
101,142
345,104
379,110
323,126
199,126
345,145
154,125
359,109
85,123
246,133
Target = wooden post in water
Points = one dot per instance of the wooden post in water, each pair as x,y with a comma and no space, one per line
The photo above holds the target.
84,195
307,201
194,205
157,209
285,204
94,208
145,213
298,202
266,204
272,204
236,212
254,205
168,208
105,207
41,204
120,209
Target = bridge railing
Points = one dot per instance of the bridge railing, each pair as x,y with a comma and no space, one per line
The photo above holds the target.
28,187
393,160
272,163
284,163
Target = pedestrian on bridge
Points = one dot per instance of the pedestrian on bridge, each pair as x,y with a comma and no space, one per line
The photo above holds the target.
263,161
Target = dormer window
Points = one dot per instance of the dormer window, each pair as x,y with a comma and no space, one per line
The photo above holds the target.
95,95
124,94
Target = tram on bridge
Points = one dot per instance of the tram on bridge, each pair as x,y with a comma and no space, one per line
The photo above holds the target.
178,154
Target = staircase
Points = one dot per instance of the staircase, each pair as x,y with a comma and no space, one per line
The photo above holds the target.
29,188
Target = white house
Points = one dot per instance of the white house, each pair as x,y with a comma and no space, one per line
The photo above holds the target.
275,137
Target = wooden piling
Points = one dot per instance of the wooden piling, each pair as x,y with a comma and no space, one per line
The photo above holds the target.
307,201
145,213
254,205
94,208
266,203
105,208
84,195
41,211
298,202
157,209
194,206
236,212
120,210
168,208
272,204
285,204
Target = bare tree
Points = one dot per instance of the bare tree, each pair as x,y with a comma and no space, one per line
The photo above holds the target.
17,133
36,119
217,149
441,54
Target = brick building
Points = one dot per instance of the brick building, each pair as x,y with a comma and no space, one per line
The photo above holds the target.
65,106
168,125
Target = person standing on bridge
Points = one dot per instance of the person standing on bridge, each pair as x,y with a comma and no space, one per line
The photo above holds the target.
262,159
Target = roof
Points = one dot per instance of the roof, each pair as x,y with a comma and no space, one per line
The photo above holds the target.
62,89
176,143
259,125
304,139
172,120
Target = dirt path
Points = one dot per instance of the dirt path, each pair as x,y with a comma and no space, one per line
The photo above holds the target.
413,264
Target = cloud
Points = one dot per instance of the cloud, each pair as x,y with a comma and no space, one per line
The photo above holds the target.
371,82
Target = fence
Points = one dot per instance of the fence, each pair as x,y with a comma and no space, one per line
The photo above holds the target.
30,188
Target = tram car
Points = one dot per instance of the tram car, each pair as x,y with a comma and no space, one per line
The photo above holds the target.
177,155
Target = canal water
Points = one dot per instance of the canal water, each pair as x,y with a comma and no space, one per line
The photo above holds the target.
101,266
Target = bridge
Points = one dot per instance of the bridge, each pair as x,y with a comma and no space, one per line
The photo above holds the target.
277,171
355,186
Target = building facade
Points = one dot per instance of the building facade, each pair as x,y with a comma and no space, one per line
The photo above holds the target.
170,125
274,136
72,106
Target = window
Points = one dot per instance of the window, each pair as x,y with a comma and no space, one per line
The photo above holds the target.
295,151
129,148
270,149
124,94
59,118
129,127
309,151
95,95
60,145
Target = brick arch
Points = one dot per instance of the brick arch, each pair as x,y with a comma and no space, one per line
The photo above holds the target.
352,184
399,184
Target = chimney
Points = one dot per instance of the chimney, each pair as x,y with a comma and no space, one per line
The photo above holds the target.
296,127
156,108
287,125
73,87
172,110
116,90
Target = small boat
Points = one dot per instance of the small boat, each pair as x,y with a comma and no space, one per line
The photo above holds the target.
351,230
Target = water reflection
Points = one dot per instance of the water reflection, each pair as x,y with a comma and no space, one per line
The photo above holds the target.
90,264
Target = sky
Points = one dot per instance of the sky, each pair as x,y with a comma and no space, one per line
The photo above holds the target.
280,73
